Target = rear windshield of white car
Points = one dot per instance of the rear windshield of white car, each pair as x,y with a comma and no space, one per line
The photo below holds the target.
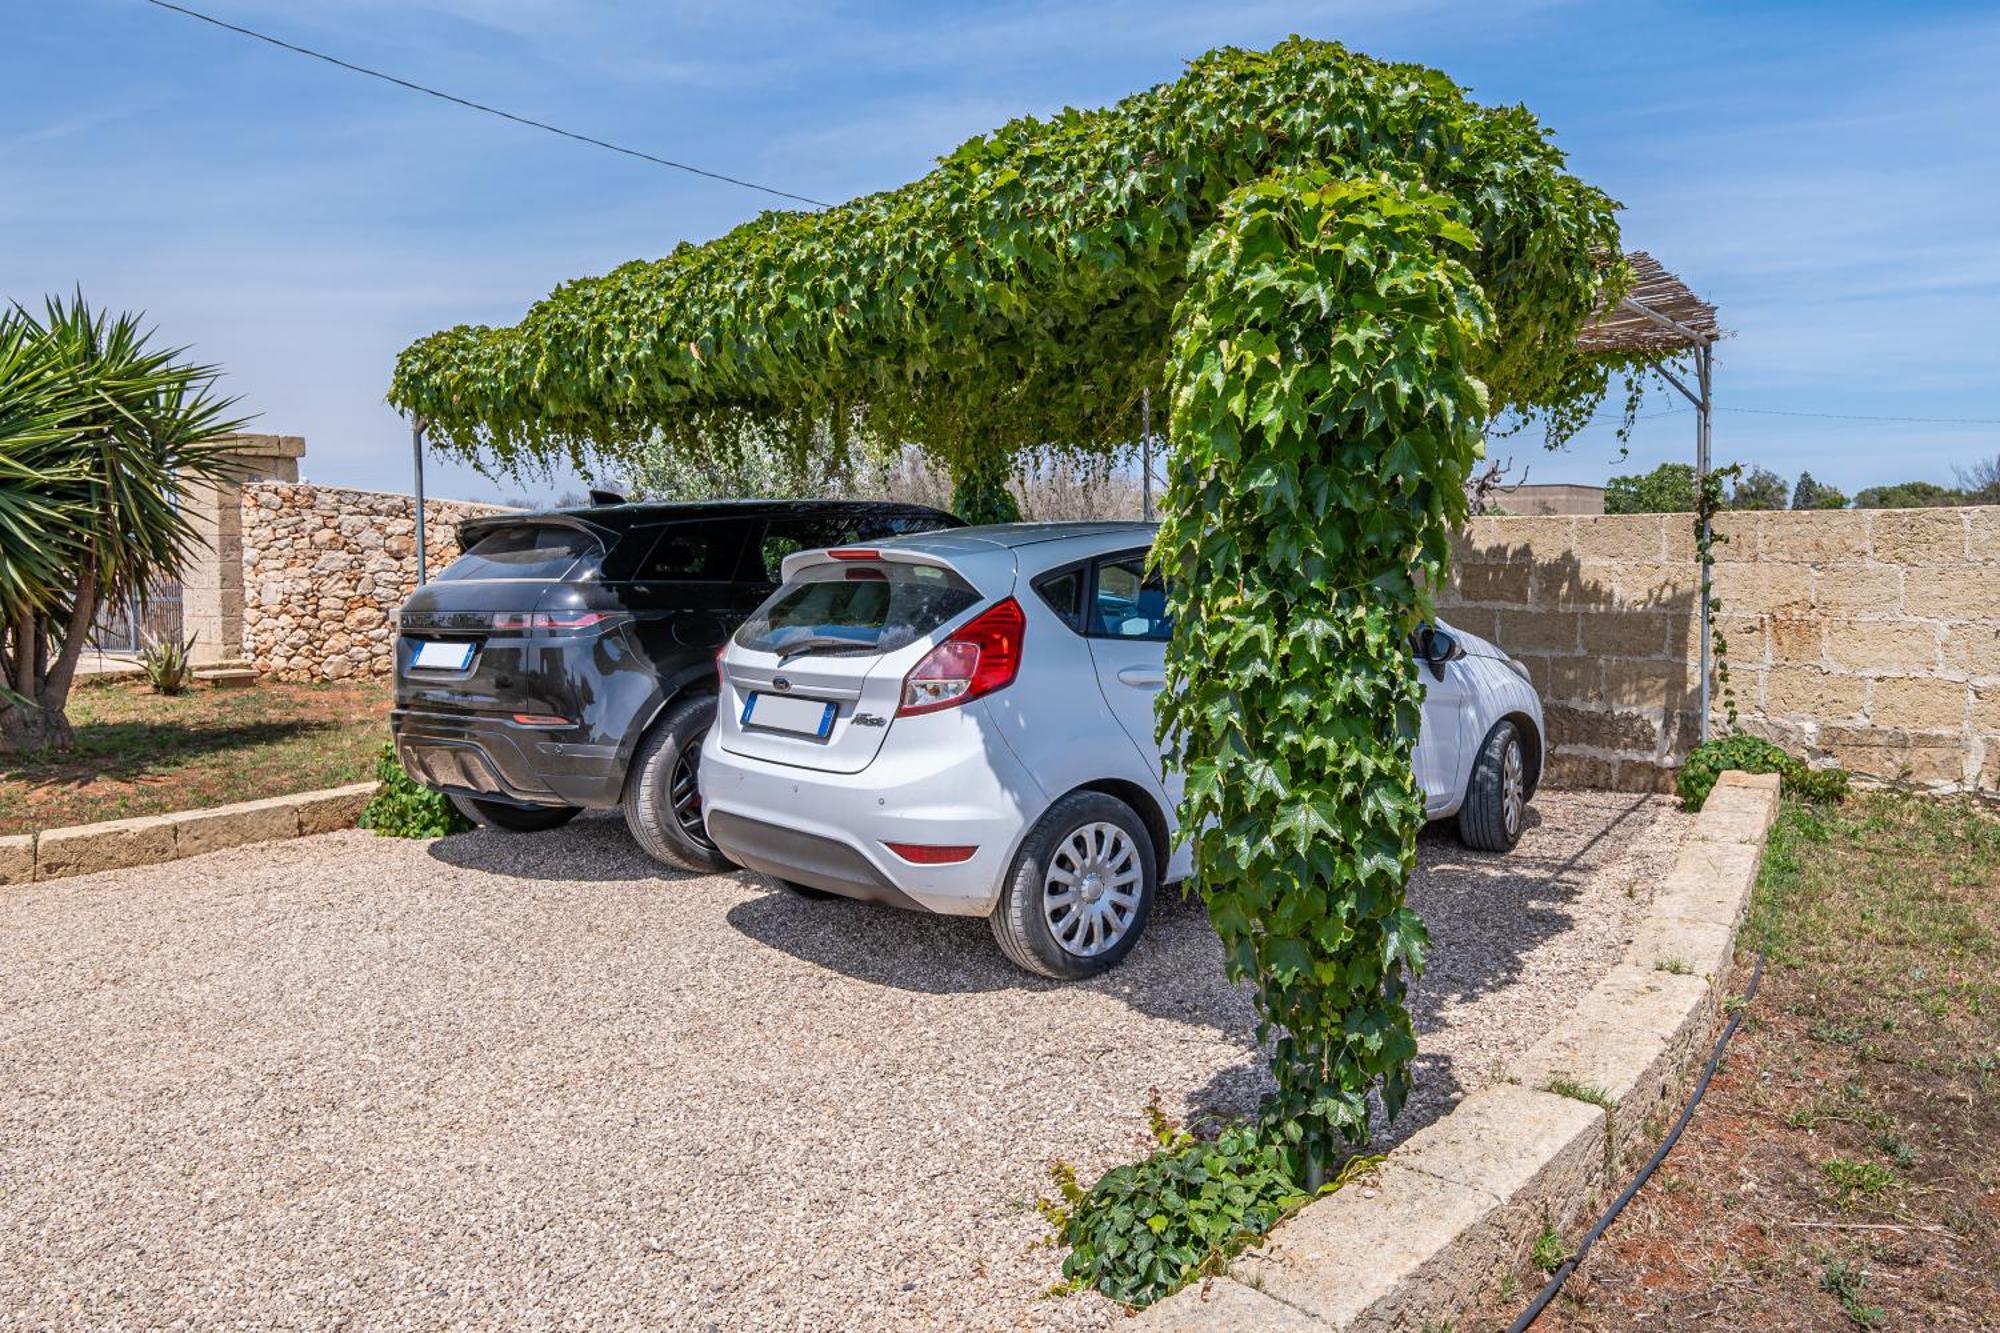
856,606
531,551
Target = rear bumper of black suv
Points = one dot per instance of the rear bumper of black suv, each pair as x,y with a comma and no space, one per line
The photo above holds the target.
499,759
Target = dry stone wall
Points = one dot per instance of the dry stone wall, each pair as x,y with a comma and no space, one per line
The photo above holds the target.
1867,638
324,570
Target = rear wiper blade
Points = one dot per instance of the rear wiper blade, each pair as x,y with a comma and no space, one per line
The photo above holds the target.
824,645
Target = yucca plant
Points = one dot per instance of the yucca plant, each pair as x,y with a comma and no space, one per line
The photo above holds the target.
101,431
168,664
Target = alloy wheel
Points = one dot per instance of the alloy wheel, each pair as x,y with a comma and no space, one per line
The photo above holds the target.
1513,797
684,792
1090,895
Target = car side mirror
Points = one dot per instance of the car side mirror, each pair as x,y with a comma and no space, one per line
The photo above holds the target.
1437,647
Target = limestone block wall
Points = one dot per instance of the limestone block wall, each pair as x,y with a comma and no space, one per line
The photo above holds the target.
324,569
1867,638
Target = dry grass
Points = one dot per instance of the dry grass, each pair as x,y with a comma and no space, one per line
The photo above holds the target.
140,753
1842,1172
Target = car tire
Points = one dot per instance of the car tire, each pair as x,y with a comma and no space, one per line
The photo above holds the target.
512,818
807,891
1496,796
661,784
1044,919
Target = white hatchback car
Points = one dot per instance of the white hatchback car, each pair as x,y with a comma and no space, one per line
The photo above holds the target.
962,722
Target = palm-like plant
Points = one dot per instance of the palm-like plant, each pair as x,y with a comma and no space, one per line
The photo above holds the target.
100,433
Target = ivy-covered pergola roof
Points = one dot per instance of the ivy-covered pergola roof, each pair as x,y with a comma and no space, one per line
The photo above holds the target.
1021,293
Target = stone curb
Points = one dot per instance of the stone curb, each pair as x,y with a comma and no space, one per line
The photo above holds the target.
119,843
1415,1244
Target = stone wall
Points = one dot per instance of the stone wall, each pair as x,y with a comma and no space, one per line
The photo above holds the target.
1870,639
324,569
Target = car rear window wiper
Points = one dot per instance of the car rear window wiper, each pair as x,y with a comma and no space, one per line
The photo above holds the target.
824,645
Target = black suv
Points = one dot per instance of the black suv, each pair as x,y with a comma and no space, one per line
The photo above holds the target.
566,661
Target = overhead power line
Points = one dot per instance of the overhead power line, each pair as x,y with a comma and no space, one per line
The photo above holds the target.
481,106
1848,416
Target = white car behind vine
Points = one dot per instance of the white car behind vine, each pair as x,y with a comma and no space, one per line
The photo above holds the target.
962,722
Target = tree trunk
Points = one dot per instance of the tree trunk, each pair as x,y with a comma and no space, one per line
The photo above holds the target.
27,729
42,723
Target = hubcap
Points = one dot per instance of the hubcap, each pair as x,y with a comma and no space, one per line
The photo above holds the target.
1513,799
684,793
1090,896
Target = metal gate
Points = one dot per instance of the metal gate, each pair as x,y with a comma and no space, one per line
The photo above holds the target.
142,617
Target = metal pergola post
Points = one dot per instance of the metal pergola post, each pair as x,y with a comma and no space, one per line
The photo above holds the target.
1702,349
417,427
1146,454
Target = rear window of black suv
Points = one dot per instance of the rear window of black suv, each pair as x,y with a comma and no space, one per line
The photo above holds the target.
529,551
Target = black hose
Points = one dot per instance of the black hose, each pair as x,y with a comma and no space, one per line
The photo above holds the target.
1561,1275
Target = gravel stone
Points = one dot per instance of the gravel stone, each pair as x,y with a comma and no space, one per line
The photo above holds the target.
348,1082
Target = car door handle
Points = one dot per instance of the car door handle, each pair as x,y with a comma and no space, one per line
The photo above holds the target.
1146,678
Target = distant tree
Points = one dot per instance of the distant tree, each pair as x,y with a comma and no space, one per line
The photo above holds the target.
1759,488
755,469
1909,495
1667,489
1981,481
1810,494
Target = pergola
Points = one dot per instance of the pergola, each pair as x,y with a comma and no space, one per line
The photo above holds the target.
1660,318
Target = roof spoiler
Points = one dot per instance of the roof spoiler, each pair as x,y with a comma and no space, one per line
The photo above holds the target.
472,529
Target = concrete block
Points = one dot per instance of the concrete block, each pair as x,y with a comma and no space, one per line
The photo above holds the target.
1706,947
1882,645
198,831
1813,537
17,858
1709,881
1918,704
1387,1241
1638,538
1972,650
1537,631
1541,1155
334,808
1807,691
1460,1198
1918,536
1628,1038
86,848
1223,1305
1858,588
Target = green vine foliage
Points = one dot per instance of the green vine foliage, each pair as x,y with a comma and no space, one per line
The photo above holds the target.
402,809
1341,268
1711,499
1325,417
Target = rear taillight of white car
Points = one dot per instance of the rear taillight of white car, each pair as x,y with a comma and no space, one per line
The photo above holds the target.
980,657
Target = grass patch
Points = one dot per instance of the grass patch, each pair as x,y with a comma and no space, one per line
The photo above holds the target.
1851,1181
1676,966
140,753
1562,1085
1548,1251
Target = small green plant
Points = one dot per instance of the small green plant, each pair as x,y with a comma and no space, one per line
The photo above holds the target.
1844,1282
1562,1085
168,664
1549,1251
402,809
1853,1181
1676,966
1148,1228
1752,754
1897,1148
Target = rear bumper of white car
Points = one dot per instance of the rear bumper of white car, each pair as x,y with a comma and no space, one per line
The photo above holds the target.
941,780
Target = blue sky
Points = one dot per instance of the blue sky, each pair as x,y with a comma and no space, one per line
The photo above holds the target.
1824,172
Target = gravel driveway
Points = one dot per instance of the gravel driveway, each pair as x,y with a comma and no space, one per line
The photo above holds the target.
350,1082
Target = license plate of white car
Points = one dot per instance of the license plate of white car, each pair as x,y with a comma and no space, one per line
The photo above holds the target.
439,655
776,712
